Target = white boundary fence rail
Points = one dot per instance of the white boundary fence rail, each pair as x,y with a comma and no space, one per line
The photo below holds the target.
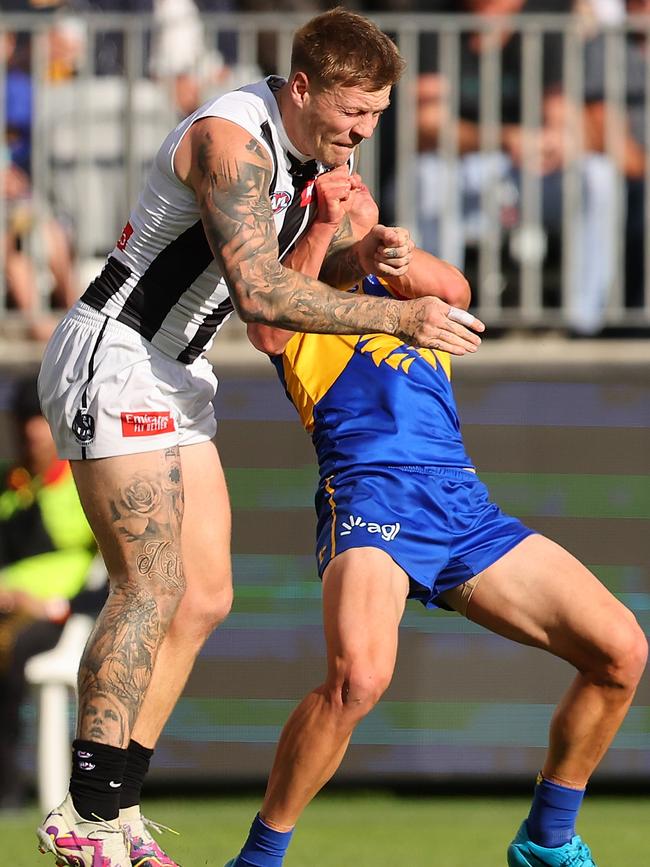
94,135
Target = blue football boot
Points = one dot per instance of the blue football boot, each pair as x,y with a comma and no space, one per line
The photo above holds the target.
522,852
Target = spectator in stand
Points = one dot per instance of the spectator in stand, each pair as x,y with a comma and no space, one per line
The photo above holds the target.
183,58
46,550
593,259
27,213
601,12
630,141
67,40
108,54
267,42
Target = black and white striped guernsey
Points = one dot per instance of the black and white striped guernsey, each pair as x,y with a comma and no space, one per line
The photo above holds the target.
161,279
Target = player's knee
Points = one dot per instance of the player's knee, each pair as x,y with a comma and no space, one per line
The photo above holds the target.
633,653
219,607
363,687
129,591
201,612
627,653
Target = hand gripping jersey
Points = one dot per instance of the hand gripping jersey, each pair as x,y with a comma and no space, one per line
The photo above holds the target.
161,279
372,399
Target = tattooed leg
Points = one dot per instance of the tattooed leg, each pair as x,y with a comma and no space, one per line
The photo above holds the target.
207,599
134,504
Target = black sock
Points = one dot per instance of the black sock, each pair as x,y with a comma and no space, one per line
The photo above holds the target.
137,765
96,781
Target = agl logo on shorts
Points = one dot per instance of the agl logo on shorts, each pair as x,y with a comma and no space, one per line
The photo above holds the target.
387,531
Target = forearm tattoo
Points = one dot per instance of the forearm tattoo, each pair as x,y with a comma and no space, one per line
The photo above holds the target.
145,513
236,212
341,266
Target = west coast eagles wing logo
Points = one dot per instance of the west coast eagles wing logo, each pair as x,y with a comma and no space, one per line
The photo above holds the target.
280,201
83,427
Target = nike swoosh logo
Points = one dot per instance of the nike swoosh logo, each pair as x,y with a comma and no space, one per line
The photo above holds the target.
114,785
532,860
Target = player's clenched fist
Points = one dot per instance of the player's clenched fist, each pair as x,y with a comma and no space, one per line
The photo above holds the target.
431,323
386,250
332,193
361,207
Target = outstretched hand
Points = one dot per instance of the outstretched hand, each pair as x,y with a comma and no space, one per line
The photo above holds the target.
433,324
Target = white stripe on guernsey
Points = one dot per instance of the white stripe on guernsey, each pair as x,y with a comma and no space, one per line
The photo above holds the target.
167,209
203,296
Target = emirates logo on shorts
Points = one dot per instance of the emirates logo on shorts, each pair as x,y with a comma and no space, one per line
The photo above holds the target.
146,424
83,427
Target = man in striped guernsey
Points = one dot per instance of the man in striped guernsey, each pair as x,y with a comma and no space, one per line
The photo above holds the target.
403,514
128,392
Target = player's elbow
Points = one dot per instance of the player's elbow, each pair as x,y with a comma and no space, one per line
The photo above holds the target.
261,300
458,292
246,307
271,341
258,310
461,297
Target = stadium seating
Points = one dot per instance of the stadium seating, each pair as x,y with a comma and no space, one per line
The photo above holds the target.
54,676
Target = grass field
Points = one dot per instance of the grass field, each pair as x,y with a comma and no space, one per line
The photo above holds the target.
370,830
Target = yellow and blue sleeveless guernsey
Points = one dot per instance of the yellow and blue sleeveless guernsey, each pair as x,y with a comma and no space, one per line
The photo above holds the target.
372,399
394,473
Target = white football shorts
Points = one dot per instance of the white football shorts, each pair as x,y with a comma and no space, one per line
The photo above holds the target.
107,391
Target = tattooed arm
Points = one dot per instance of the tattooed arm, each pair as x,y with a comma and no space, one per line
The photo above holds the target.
354,204
307,256
230,173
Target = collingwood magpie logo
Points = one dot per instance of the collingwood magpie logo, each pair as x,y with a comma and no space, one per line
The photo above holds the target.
387,531
83,427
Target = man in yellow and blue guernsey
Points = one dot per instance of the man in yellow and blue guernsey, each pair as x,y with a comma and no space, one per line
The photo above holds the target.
403,514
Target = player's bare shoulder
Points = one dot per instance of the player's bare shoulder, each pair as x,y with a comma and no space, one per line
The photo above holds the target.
231,173
214,143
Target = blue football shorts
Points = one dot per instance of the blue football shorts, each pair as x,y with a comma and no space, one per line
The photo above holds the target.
437,524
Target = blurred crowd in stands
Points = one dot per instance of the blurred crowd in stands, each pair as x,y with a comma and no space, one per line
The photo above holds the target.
547,150
47,552
43,260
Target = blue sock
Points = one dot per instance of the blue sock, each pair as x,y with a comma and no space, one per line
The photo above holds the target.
265,847
552,818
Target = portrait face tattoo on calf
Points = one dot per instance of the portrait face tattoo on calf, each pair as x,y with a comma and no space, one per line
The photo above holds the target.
101,714
146,512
